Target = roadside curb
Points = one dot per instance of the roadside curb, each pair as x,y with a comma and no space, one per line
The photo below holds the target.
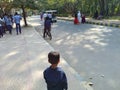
92,22
103,24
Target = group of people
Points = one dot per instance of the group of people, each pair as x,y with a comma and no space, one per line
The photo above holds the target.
79,18
43,15
7,21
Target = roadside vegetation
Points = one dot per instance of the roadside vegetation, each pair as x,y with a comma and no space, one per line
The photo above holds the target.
110,9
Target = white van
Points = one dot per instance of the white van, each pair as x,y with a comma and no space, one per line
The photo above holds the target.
53,12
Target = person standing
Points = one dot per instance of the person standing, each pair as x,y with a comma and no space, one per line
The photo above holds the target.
76,19
1,29
96,14
41,16
17,19
5,19
1,33
83,18
54,76
79,16
9,24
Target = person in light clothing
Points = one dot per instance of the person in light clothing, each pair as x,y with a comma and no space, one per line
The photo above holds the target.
17,19
79,16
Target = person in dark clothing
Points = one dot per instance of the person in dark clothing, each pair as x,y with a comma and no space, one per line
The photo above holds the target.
96,15
83,18
1,33
47,28
54,76
1,27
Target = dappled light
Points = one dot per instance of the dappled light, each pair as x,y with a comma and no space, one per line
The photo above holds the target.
10,54
88,46
22,62
112,83
90,39
91,49
89,55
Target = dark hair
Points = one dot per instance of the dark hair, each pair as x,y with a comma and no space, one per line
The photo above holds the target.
16,13
53,57
47,18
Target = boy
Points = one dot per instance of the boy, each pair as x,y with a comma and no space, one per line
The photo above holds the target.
53,75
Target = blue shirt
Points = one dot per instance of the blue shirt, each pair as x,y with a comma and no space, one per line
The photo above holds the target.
55,79
8,21
17,19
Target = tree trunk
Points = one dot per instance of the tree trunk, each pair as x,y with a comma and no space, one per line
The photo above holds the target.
102,7
24,15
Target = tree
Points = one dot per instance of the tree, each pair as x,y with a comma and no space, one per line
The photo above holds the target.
5,6
24,4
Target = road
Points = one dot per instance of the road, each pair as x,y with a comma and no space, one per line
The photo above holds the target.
92,50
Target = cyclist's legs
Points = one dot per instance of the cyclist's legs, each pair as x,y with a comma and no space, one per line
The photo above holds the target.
49,33
44,33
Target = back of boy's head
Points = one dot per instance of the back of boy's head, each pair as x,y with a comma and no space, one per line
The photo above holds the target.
47,18
53,57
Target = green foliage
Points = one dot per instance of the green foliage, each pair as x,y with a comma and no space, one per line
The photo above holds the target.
65,7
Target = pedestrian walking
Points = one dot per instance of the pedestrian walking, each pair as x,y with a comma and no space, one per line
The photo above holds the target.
17,19
54,76
47,28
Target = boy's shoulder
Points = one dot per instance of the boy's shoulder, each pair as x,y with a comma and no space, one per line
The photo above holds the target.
48,21
57,69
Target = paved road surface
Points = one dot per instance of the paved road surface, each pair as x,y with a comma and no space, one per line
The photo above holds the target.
23,58
92,50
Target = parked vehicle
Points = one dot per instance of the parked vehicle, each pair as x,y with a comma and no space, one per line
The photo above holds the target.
53,12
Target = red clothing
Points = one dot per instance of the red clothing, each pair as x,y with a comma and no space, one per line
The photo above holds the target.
76,21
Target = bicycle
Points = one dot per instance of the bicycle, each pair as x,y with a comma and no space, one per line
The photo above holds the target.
47,32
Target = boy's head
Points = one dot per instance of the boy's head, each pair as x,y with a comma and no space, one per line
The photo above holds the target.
53,57
47,18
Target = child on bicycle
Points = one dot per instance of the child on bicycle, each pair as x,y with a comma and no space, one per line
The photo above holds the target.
47,28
